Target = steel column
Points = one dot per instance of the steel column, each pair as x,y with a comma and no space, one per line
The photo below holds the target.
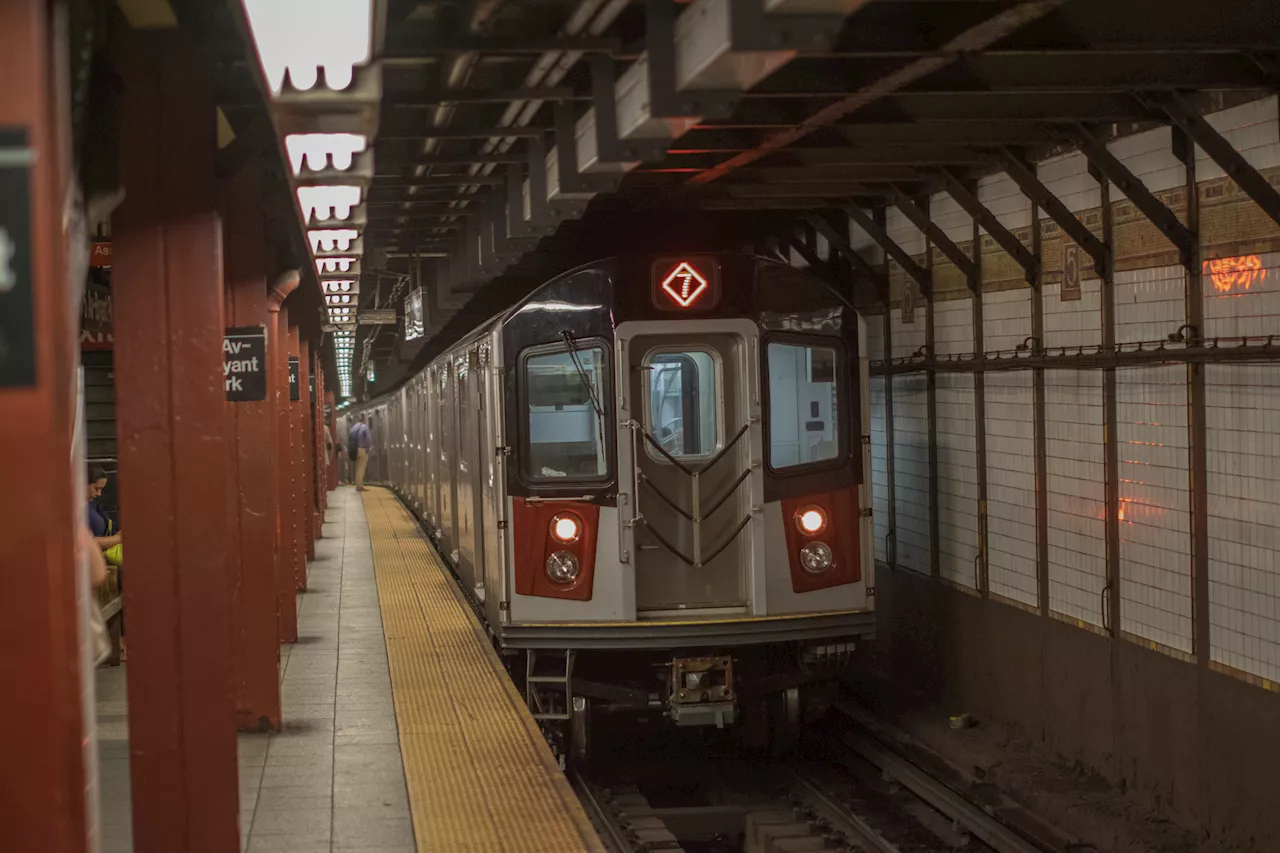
931,402
307,441
1038,418
278,397
1197,415
979,404
171,425
297,529
1110,425
253,497
48,791
891,556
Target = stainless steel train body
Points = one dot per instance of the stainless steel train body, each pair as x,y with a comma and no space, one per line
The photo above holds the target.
651,479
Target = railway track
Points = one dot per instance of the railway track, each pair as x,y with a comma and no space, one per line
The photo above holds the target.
858,795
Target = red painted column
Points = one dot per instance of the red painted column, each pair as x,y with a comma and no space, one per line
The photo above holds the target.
171,427
251,447
278,350
43,794
306,438
297,524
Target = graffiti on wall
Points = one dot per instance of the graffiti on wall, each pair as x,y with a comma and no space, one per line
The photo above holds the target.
1234,274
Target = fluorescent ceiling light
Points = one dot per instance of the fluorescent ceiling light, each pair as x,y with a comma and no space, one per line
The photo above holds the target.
339,285
332,239
301,36
334,264
330,202
319,150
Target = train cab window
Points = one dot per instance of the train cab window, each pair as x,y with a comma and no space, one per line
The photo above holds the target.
683,403
565,396
804,404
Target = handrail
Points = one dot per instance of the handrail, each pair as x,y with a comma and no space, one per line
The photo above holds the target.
728,540
645,481
674,461
665,544
726,448
728,493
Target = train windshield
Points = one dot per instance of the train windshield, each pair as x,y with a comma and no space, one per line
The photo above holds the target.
804,405
565,436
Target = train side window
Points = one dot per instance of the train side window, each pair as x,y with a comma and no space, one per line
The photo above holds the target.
804,404
683,403
565,395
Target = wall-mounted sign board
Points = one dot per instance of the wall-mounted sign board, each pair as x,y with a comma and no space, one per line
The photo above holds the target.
17,312
244,364
295,378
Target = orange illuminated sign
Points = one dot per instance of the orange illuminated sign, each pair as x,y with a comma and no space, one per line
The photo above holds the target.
685,284
1237,273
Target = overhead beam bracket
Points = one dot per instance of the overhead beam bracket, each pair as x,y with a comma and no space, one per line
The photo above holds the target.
1058,212
840,243
892,249
936,236
1003,236
1222,152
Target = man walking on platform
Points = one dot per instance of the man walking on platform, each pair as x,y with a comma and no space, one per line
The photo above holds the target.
361,441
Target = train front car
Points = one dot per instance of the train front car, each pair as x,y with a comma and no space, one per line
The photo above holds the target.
686,483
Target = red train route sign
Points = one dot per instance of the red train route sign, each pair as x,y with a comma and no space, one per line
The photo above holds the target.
685,284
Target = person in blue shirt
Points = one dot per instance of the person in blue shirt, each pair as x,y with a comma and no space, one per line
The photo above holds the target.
361,440
100,525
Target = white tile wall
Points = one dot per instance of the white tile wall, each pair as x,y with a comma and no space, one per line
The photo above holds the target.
1077,493
1067,177
948,215
863,244
1155,523
1002,197
953,326
1150,304
1011,498
1150,157
1006,319
957,479
1252,129
909,337
1075,323
911,471
903,232
1243,447
1232,309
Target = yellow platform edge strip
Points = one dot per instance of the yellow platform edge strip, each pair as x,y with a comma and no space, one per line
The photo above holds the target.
480,775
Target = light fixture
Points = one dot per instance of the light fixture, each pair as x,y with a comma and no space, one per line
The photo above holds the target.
816,557
811,520
334,264
332,239
328,202
302,36
337,298
320,150
339,285
562,567
566,528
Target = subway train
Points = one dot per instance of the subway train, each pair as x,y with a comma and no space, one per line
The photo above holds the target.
651,480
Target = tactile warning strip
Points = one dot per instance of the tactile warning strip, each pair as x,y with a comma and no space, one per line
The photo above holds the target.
480,775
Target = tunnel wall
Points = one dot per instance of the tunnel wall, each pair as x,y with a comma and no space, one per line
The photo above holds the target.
1199,737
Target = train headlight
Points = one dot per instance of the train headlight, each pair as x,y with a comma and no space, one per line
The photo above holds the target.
562,567
816,557
566,528
811,520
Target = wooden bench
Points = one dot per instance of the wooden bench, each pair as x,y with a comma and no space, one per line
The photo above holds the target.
111,604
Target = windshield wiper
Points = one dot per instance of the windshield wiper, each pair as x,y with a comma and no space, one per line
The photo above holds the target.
572,344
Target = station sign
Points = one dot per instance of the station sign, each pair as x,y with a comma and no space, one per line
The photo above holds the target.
378,317
100,255
311,381
17,307
295,379
244,364
96,318
685,283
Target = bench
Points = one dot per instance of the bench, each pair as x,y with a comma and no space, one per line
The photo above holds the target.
111,605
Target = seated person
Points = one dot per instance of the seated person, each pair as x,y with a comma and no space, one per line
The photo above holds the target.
108,539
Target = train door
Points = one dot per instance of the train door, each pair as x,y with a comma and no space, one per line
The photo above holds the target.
447,459
432,451
492,497
690,406
468,469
